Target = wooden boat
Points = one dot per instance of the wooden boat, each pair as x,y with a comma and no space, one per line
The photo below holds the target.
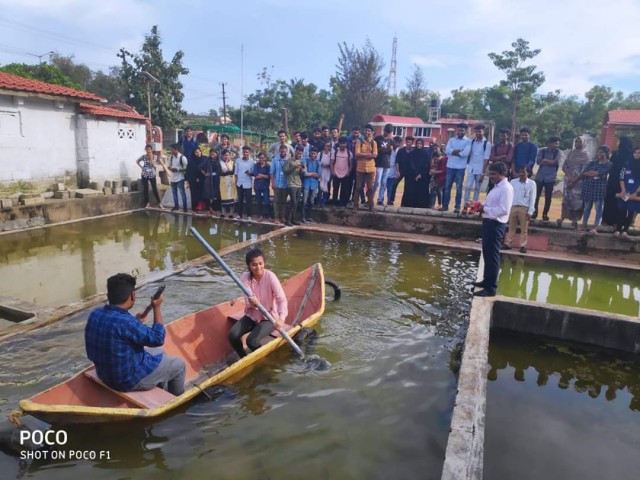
201,340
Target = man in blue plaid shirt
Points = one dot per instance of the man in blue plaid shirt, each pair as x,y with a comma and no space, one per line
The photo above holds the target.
115,342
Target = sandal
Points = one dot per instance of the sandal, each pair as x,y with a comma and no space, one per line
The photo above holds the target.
593,231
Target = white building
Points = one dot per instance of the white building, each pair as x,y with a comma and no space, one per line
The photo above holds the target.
48,131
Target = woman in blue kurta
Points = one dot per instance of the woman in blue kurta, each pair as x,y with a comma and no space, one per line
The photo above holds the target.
629,196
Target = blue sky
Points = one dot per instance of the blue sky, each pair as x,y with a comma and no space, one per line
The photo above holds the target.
583,43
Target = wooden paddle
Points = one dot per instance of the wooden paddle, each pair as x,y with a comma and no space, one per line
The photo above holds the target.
312,361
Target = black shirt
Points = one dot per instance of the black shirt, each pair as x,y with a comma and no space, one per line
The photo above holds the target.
385,147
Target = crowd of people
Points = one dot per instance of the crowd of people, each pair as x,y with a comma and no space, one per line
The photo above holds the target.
322,167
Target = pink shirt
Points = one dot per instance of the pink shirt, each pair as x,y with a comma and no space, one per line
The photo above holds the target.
269,293
341,165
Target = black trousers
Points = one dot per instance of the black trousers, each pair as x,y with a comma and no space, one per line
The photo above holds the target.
625,217
245,325
145,189
244,201
548,191
492,236
343,187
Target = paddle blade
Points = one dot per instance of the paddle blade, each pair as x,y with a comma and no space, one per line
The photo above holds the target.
317,363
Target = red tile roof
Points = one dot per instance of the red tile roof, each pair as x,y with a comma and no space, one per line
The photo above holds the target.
101,111
22,84
624,116
395,119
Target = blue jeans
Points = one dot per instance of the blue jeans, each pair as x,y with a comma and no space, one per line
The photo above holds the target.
381,181
587,211
391,188
457,175
175,186
307,199
263,201
472,179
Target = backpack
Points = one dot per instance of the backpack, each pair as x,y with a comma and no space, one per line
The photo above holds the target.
484,148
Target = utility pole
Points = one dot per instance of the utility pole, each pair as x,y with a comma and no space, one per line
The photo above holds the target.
224,104
391,85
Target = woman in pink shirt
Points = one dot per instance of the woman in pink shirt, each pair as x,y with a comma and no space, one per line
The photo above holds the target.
267,291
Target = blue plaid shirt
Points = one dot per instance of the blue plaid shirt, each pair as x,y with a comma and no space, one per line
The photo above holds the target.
277,172
115,342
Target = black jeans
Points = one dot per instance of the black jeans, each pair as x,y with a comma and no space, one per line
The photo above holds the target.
145,189
244,201
548,191
625,217
245,325
343,187
492,236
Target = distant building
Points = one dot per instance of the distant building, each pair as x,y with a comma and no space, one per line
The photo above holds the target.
48,131
617,123
439,131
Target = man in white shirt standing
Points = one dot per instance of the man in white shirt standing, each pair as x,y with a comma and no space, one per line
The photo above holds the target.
177,166
479,153
524,200
458,150
496,209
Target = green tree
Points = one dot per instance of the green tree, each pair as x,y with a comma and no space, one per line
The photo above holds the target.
166,94
469,102
522,81
593,109
108,85
43,72
357,84
79,73
417,96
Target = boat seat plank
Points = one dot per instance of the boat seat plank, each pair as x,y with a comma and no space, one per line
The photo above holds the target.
154,398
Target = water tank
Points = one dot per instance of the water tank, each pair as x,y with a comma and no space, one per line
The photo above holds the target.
434,103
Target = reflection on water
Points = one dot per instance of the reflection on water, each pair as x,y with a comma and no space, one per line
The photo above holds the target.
62,264
577,285
382,411
575,411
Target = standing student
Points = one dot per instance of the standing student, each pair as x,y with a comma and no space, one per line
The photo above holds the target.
147,164
383,160
548,161
629,196
572,201
594,186
502,152
416,181
193,175
293,169
341,165
402,164
211,171
621,157
366,152
228,193
279,185
524,194
188,142
274,149
177,166
352,141
310,182
477,160
438,176
495,210
262,175
524,153
393,171
267,291
325,174
457,150
244,182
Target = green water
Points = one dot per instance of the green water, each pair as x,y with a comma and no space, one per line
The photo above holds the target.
606,289
382,411
560,411
61,264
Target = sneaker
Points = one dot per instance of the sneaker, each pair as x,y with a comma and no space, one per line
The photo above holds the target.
455,210
389,204
260,219
238,217
505,247
380,204
303,221
287,223
349,204
624,235
161,207
443,209
174,209
593,231
249,219
545,219
523,249
295,222
148,205
186,210
311,220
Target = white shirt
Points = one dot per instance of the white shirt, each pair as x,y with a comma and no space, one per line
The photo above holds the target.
463,144
524,194
478,154
497,206
174,162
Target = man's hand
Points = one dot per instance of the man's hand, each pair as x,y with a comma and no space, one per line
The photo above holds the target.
141,317
156,302
456,152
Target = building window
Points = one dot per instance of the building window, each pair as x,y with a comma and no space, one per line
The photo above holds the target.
450,133
398,131
126,133
421,132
